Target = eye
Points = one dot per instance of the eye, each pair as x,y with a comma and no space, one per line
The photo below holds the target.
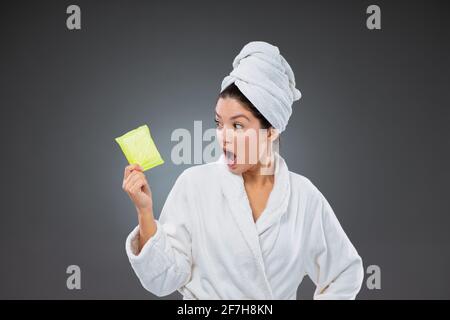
238,126
218,125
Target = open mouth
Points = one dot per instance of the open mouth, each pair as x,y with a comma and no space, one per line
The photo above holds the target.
230,157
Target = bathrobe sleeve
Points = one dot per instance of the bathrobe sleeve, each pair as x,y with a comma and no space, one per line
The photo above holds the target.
332,263
164,263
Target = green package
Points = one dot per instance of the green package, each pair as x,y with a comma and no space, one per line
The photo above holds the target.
139,147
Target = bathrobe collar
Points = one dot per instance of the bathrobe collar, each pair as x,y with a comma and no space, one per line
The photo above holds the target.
233,189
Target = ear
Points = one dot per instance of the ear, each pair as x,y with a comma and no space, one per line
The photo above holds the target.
273,134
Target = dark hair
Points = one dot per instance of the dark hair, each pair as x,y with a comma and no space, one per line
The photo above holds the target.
232,91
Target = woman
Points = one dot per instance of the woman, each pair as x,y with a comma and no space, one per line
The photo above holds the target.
243,227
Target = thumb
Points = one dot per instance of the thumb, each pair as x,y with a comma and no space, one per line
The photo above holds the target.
146,188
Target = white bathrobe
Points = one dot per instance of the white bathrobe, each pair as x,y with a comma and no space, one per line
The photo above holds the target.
207,245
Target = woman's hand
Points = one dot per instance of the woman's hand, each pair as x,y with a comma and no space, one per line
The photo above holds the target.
136,186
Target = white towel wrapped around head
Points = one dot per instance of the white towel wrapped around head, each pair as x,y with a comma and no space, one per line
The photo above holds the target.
263,75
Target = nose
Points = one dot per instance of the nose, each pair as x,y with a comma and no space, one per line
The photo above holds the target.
228,136
225,137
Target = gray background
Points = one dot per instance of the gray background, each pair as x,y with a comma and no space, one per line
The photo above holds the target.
371,130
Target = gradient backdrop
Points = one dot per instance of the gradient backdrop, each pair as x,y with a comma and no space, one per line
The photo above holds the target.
371,130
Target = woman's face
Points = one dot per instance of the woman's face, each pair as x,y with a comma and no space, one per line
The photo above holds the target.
240,135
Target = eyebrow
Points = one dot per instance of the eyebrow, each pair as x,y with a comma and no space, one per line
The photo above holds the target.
235,116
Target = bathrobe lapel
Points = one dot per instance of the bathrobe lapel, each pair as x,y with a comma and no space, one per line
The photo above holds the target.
234,190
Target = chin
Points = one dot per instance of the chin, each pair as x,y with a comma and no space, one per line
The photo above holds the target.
236,169
239,168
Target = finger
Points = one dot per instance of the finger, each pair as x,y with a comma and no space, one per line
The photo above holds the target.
133,173
137,178
129,186
132,180
132,177
127,171
130,168
146,187
137,186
